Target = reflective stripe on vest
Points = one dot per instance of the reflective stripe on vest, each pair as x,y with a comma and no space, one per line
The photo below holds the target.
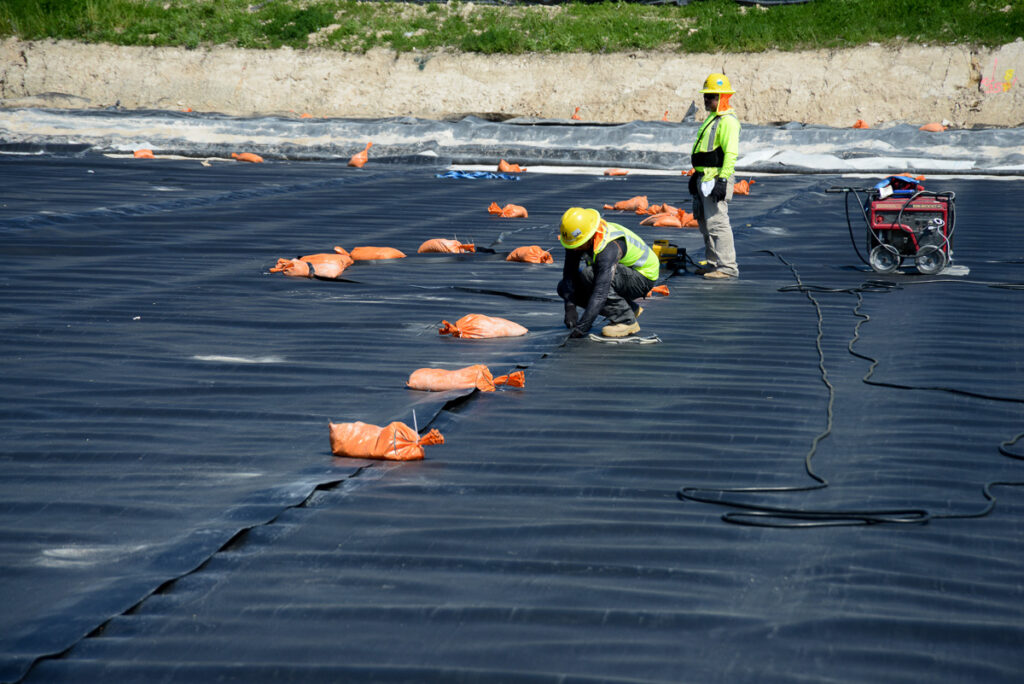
703,158
638,255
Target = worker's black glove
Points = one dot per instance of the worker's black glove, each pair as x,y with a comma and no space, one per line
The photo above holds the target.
718,192
571,316
577,332
694,185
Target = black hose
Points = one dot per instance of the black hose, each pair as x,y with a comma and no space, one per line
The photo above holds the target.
758,515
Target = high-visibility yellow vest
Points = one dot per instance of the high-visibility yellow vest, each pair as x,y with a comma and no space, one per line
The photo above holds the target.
638,255
717,146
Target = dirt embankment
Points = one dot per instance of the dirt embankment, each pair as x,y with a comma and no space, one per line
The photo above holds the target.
963,86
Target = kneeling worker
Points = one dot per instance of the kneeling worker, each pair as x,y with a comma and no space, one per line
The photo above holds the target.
607,266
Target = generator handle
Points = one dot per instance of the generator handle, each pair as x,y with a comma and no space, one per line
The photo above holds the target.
845,189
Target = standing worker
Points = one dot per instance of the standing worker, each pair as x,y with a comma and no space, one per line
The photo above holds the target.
714,160
607,266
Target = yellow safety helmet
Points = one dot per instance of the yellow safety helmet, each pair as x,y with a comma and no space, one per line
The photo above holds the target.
717,84
578,226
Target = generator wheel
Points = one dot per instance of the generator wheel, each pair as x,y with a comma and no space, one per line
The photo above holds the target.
930,259
884,258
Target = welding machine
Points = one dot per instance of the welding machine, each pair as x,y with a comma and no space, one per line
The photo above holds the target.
905,221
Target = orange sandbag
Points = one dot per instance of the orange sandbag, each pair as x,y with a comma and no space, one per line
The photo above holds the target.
932,128
342,257
144,154
663,220
687,219
370,253
445,246
689,172
477,326
247,157
393,442
632,204
660,289
478,376
658,209
359,159
508,211
860,123
531,254
616,172
743,187
505,167
299,268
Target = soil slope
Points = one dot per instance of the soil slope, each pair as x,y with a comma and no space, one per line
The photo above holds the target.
956,84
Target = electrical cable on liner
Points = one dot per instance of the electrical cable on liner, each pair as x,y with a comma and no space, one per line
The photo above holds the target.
756,515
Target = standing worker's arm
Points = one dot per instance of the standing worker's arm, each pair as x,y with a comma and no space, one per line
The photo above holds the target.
728,138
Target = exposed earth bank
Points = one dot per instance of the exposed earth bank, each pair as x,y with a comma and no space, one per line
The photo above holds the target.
961,86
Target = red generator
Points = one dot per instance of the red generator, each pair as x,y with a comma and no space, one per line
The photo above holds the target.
904,222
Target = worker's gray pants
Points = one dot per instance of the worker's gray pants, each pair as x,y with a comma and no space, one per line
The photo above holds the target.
713,220
627,284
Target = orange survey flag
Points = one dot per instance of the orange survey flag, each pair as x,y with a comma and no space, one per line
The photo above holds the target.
477,326
660,289
508,211
371,253
359,159
531,254
632,204
478,376
393,442
505,167
445,246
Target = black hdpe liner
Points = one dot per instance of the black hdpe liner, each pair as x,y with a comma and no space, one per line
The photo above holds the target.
168,488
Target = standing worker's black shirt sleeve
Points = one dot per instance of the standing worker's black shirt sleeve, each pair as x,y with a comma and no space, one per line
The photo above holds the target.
604,269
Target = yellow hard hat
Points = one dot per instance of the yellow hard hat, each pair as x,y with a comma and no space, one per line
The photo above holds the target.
717,84
578,226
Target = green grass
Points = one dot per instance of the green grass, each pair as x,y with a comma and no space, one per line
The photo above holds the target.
347,25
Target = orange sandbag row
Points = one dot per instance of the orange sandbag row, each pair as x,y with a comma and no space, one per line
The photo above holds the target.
393,442
476,376
328,265
479,326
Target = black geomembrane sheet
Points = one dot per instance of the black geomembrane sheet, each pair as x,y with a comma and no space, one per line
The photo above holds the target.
170,510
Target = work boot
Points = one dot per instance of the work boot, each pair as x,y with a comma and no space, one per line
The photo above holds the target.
718,274
621,329
703,270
